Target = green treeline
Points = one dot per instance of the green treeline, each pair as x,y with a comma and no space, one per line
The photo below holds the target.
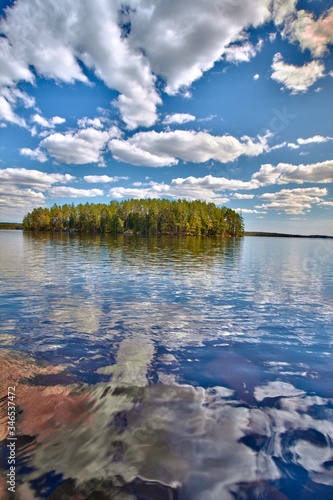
146,216
10,225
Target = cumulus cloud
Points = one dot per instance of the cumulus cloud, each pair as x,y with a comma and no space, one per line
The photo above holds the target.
15,202
13,68
32,178
256,76
173,190
240,196
153,149
21,190
10,98
283,173
84,146
51,123
90,122
326,203
7,113
312,34
301,142
283,10
292,201
314,139
183,39
94,179
52,37
34,154
206,188
178,42
249,211
296,78
70,192
236,53
178,118
127,47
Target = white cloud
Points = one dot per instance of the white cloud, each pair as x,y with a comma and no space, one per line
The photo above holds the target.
154,149
34,154
21,190
70,192
8,115
43,122
296,78
239,196
312,34
326,203
301,142
13,69
9,99
278,146
16,96
178,118
207,118
249,211
84,146
283,9
173,191
283,173
32,178
183,39
15,202
90,122
236,53
206,188
256,77
214,183
293,201
314,139
177,42
52,36
129,152
94,179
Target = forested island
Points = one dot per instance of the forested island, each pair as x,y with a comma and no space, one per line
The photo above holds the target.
145,216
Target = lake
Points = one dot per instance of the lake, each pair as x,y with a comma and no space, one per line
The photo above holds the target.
167,368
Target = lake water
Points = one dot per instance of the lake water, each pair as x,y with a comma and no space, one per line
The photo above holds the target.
164,368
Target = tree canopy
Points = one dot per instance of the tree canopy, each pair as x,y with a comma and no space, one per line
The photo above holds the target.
145,216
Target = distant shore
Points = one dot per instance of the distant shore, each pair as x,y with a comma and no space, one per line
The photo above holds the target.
19,225
283,235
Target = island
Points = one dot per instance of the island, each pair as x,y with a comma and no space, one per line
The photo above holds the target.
139,216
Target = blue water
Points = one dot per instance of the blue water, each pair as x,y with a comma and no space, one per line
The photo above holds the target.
167,368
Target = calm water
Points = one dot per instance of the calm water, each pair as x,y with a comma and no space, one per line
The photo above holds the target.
188,369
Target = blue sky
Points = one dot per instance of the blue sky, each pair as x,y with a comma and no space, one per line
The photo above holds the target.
229,101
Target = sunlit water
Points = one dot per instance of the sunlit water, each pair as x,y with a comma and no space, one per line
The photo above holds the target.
164,368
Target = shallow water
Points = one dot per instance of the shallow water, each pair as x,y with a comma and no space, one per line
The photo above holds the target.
166,368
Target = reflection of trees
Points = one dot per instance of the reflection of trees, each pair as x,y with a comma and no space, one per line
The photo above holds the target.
147,216
136,247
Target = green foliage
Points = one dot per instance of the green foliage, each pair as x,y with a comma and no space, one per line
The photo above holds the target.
146,216
10,225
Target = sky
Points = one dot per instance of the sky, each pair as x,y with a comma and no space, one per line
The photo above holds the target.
227,101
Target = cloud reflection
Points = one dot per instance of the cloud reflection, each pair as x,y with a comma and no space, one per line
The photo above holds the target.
202,442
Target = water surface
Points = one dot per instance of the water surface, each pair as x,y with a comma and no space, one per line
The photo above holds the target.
168,368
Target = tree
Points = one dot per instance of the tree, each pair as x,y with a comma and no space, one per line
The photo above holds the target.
147,216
